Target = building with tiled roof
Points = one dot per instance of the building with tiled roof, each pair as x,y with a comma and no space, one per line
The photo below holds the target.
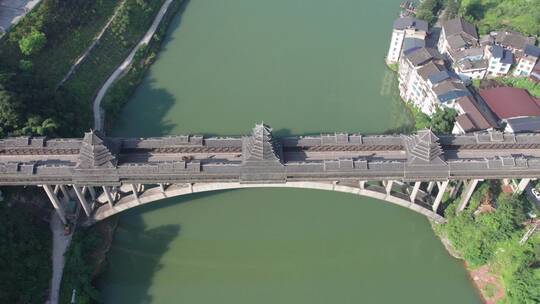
457,34
472,116
404,28
500,60
508,102
527,61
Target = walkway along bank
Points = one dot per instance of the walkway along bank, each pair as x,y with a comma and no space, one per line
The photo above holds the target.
401,169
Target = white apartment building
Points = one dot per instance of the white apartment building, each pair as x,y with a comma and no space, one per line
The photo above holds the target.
527,61
426,83
406,27
500,60
457,34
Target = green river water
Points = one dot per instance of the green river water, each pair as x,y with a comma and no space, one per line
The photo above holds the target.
302,66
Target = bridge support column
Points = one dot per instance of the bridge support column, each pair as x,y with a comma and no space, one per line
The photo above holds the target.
442,188
65,193
430,187
415,191
56,203
82,200
162,187
469,190
523,183
91,190
455,189
108,194
135,189
362,184
389,186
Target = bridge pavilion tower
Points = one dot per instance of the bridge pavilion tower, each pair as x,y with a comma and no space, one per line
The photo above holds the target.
262,157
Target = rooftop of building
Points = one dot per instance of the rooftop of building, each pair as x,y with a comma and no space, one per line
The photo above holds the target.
508,102
421,56
465,65
430,69
474,52
474,119
410,23
460,26
503,55
512,40
450,89
523,124
531,50
411,44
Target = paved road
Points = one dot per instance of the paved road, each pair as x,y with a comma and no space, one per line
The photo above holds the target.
124,67
60,244
11,11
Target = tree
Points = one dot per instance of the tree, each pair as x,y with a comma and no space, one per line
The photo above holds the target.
443,120
428,10
452,9
10,113
32,42
35,125
25,65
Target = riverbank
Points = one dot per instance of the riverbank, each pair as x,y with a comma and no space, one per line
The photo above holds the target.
487,238
121,85
86,259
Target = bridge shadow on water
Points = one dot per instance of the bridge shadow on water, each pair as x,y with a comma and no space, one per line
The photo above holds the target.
138,252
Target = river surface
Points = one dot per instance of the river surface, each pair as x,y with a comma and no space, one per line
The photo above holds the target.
304,67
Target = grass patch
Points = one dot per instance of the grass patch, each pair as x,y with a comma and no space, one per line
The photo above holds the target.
522,83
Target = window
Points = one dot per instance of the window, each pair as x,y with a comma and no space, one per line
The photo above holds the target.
502,69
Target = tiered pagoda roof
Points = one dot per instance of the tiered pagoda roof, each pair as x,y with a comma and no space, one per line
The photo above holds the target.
95,153
261,146
424,148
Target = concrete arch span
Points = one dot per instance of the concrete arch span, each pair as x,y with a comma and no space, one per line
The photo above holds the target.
158,193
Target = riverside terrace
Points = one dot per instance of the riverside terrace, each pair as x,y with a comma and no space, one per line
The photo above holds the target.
402,169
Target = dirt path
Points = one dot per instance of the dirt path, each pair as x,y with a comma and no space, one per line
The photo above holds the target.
60,244
124,67
91,47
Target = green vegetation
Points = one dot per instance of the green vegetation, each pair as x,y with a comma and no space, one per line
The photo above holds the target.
80,266
442,121
40,50
428,10
489,15
132,21
35,55
523,83
32,43
25,253
451,9
491,237
393,66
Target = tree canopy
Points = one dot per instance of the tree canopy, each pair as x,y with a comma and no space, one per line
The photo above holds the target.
32,43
